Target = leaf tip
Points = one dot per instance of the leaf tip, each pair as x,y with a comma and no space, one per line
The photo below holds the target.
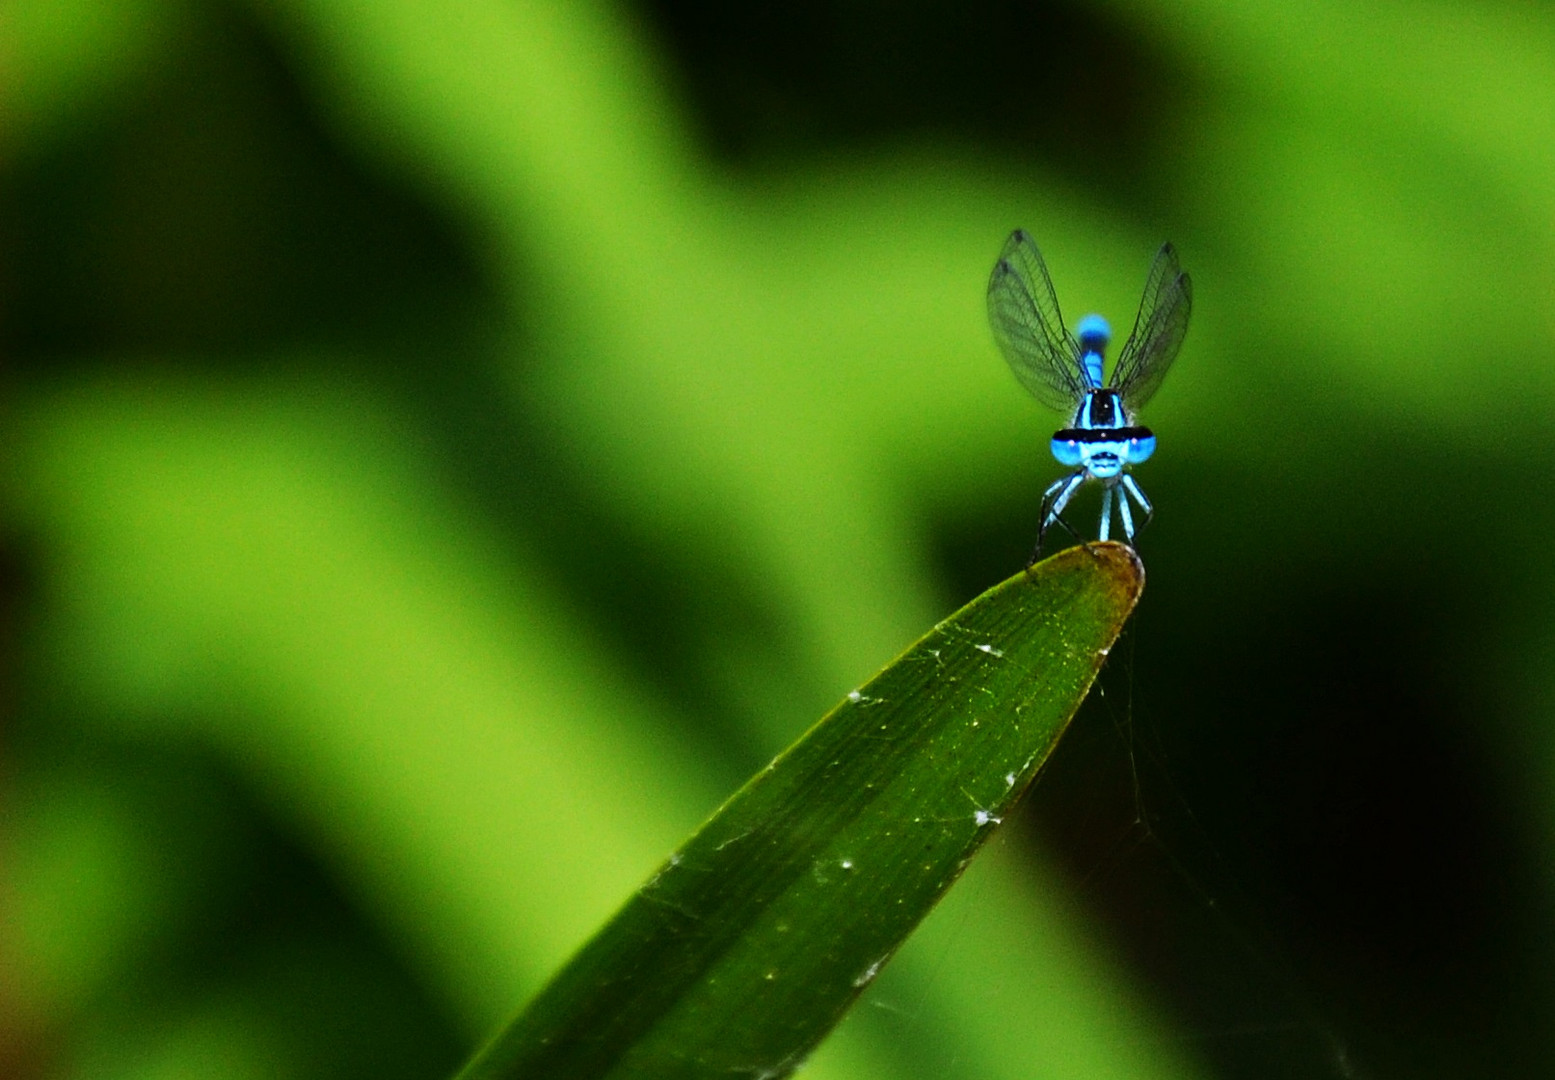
1123,565
1117,563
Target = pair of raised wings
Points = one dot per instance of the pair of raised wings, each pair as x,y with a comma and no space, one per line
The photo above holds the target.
1046,358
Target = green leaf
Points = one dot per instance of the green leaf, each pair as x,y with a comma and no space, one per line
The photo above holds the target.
750,943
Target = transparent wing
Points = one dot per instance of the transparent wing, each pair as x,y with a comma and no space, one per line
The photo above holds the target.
1158,331
1023,310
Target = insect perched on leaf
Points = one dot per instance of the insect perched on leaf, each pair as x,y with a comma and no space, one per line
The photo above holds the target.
1064,371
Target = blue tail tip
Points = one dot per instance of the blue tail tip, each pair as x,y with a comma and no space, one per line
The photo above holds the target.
1093,332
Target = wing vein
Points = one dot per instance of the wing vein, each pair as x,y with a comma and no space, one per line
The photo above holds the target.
1023,311
1158,332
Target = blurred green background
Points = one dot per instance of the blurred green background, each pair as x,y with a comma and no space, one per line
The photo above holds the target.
446,448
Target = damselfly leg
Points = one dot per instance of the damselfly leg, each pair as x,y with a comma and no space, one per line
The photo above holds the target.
1125,518
1054,499
1131,486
